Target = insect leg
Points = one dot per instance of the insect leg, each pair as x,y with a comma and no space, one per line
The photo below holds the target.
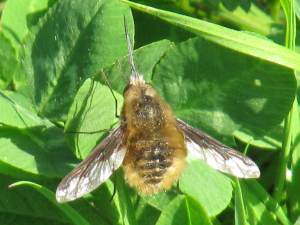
88,132
114,190
110,88
78,148
178,187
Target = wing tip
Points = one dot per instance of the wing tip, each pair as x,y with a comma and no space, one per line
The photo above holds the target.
60,196
253,173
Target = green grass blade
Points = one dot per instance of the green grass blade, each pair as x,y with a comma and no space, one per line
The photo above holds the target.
70,213
240,212
236,40
261,206
255,19
297,8
290,39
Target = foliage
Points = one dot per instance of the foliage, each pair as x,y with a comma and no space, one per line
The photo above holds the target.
228,67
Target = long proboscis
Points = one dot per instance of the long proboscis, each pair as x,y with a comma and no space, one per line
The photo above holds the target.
130,52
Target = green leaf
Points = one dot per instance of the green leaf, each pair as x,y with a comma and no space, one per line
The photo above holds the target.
38,151
7,63
19,202
123,202
270,140
297,221
11,219
93,109
290,130
240,212
294,185
214,91
26,202
16,27
16,111
28,142
297,8
145,213
68,46
210,188
104,203
183,210
249,18
239,41
146,58
230,4
157,30
245,4
68,211
160,200
261,208
197,213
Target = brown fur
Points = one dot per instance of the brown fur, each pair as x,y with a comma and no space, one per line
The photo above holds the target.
156,151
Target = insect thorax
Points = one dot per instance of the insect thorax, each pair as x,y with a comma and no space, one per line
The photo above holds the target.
143,108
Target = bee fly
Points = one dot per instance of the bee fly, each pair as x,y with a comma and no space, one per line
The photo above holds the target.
151,145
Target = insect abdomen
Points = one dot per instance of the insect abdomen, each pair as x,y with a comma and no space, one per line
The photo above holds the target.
153,164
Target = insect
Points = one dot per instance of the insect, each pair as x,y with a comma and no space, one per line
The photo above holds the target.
151,145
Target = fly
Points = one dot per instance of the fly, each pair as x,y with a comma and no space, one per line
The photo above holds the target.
151,145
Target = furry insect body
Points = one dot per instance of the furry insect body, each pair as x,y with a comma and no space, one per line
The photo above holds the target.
156,150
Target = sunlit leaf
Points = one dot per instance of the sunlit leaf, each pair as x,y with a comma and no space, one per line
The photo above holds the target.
68,211
210,188
68,46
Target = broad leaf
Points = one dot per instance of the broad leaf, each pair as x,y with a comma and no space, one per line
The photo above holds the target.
211,189
67,210
7,63
183,210
39,151
16,111
222,91
92,110
68,46
17,27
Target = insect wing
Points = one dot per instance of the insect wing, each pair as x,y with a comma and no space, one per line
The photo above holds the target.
217,155
94,170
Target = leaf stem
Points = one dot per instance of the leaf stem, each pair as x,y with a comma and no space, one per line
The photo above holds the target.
286,149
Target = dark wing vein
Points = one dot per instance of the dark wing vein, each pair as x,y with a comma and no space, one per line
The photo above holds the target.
95,169
217,155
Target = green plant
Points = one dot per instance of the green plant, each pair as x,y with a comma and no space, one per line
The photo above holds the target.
239,86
